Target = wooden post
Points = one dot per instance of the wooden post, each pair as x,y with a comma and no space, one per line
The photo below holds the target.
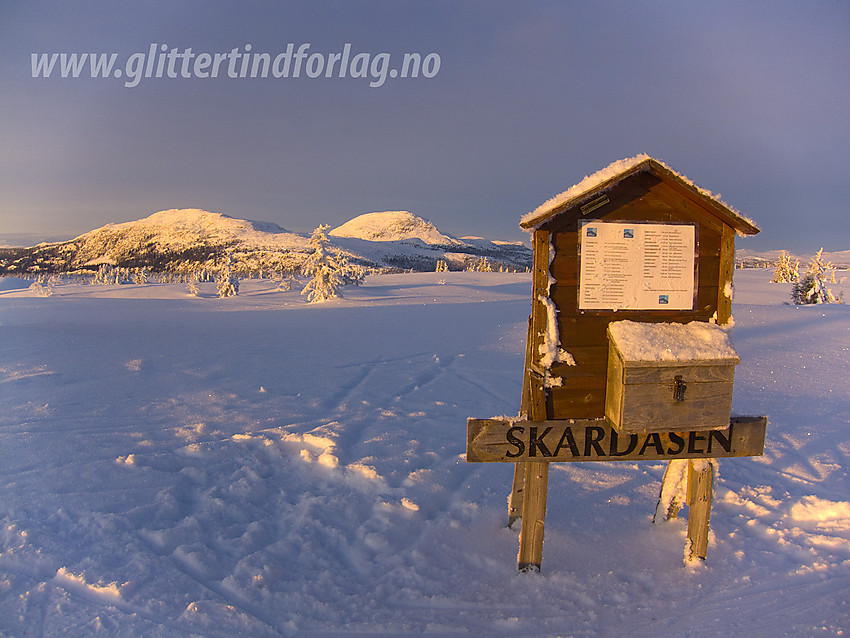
700,480
727,269
533,402
536,478
672,492
535,486
515,498
535,473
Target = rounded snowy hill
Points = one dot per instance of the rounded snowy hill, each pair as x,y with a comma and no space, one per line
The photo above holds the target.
186,226
174,240
396,225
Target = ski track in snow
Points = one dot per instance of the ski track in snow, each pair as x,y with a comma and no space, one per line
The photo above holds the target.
257,466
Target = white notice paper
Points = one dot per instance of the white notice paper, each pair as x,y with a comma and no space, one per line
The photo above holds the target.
631,266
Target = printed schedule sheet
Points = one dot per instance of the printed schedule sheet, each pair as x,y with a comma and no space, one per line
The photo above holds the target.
636,266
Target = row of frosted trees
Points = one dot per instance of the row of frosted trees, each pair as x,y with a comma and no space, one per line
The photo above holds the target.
482,264
327,273
812,286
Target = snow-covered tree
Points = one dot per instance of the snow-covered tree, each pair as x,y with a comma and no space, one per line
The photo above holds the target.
352,274
786,271
108,274
284,281
480,265
812,286
140,276
442,266
42,286
284,278
227,283
325,272
194,279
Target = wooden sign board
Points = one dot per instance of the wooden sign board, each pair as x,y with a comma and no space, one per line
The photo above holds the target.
510,441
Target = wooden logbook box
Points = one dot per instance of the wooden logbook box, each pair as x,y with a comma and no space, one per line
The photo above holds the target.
669,376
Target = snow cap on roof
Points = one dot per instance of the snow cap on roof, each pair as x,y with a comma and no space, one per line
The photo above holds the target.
614,173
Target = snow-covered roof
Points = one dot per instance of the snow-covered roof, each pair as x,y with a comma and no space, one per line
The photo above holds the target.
605,179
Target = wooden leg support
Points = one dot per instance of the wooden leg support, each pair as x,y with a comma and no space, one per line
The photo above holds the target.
531,479
688,482
534,486
536,481
515,499
673,491
700,482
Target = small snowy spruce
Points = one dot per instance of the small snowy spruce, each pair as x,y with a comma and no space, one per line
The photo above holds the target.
140,276
106,274
484,265
786,271
194,279
481,264
442,266
227,283
352,274
284,280
325,272
42,286
812,286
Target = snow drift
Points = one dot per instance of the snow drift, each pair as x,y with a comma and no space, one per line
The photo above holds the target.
258,466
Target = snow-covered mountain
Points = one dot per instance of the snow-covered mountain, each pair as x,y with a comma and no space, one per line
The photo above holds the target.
177,222
400,239
395,225
181,240
180,230
174,240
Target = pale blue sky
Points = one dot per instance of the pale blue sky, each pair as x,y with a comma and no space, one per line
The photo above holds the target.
749,99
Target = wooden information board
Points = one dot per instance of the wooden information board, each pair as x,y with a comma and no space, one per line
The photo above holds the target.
636,242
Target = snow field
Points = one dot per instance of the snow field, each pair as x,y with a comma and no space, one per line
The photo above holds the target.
177,465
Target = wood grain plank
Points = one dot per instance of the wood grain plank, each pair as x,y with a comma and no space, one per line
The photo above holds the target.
700,483
519,441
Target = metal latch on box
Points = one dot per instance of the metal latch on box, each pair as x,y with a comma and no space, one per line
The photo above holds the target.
679,387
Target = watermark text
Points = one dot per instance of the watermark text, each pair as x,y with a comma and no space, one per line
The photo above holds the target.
162,61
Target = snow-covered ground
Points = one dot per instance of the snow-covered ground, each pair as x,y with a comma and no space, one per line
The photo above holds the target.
256,466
